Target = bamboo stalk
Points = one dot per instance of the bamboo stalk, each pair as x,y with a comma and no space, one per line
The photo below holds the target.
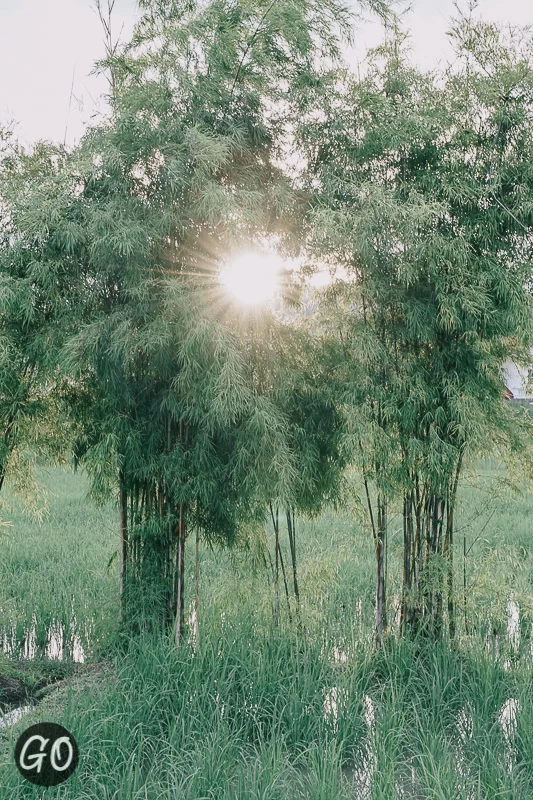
381,610
180,560
123,503
180,622
292,544
407,560
451,510
276,568
196,594
285,583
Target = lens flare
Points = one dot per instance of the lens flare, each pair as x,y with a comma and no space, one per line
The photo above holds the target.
252,278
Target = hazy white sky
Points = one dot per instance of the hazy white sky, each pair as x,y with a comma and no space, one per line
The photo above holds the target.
49,46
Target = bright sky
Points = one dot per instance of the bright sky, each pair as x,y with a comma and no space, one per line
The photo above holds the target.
48,48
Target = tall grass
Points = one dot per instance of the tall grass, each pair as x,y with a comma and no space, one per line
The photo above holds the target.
255,712
232,720
54,574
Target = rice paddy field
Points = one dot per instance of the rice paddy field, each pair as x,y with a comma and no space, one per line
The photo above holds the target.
263,713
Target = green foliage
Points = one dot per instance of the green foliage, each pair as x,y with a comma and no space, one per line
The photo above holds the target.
199,418
247,708
183,173
414,180
37,237
54,571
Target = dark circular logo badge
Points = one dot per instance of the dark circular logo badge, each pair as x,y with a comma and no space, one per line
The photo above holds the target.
46,754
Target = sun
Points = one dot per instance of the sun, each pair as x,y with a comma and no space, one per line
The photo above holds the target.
252,278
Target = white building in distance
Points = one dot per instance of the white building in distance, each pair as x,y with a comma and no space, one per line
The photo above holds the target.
519,381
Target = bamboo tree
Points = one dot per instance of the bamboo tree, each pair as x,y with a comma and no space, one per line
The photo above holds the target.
289,368
36,302
180,176
436,299
291,530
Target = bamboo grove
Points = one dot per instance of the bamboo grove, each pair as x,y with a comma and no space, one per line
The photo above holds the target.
205,422
436,299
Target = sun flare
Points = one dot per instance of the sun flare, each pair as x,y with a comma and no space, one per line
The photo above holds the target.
252,278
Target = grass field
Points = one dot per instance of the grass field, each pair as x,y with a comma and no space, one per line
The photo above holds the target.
256,712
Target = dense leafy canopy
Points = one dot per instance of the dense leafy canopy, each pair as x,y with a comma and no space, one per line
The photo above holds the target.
233,125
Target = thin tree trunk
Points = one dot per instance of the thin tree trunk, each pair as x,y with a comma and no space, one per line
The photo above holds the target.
438,521
408,545
134,536
448,555
419,539
273,575
10,432
123,503
275,522
379,536
196,591
180,615
171,577
381,543
285,583
450,522
291,528
464,584
427,597
180,554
